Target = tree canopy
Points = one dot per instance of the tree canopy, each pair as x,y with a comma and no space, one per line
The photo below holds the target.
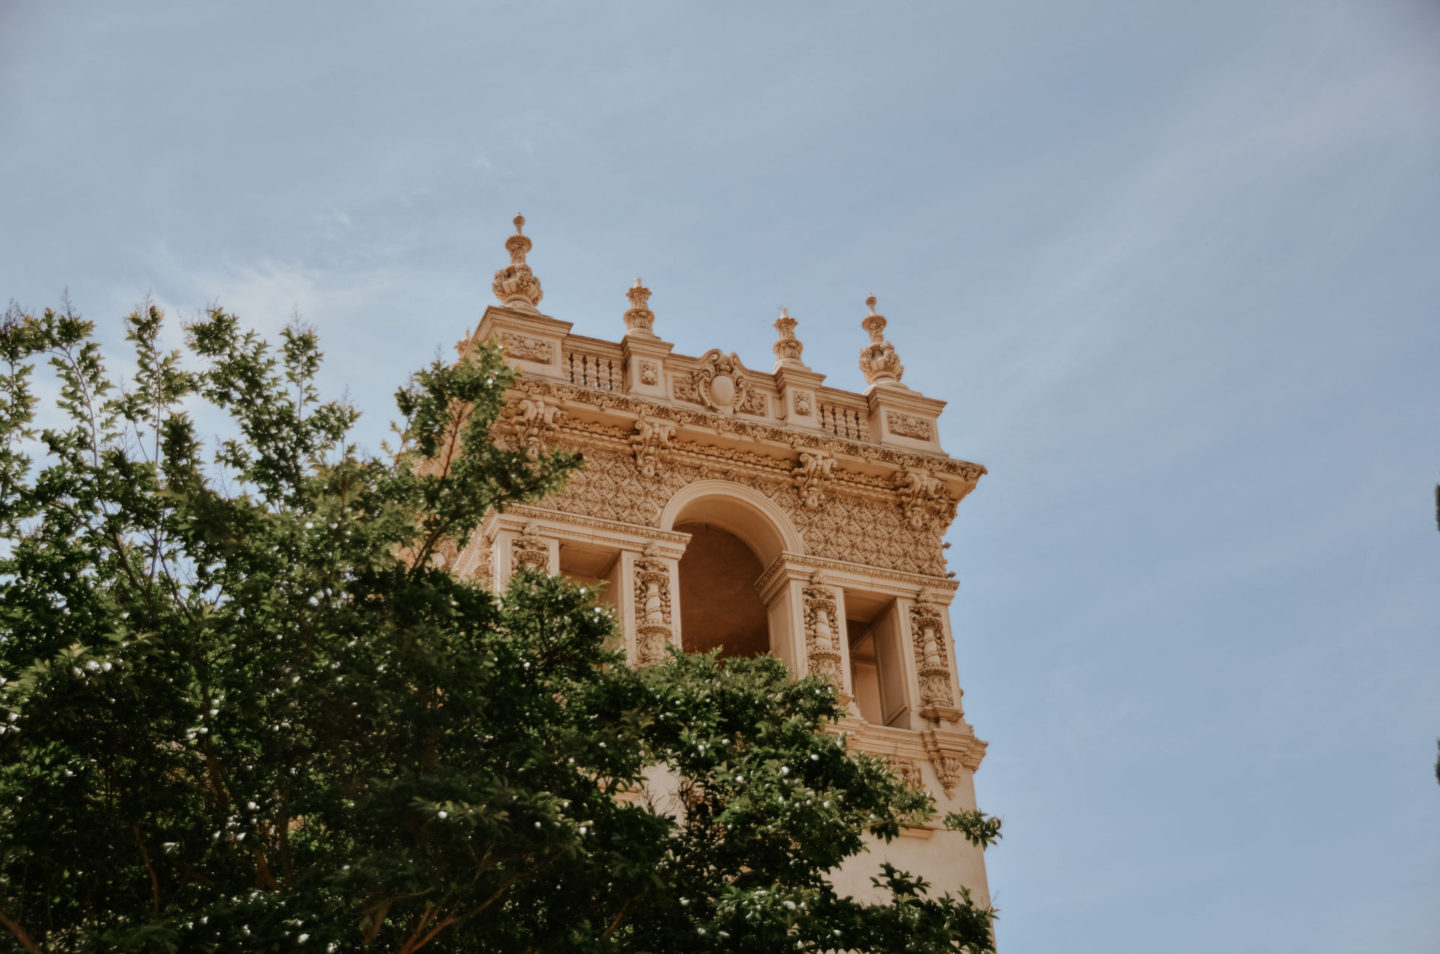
244,707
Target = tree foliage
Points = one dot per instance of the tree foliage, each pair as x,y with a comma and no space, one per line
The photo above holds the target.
242,708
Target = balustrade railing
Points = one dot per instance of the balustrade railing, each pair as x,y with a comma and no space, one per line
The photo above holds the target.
847,422
589,370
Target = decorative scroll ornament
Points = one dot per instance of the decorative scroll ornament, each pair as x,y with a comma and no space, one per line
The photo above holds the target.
932,665
639,318
652,608
528,551
923,498
515,285
788,347
878,360
812,477
822,634
535,421
950,763
652,436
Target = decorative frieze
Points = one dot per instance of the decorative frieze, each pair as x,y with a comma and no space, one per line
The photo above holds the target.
682,388
535,420
528,349
652,608
822,633
903,425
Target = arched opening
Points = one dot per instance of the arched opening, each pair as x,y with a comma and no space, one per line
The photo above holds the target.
719,608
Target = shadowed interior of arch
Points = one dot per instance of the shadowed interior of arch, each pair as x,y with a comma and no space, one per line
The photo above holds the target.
719,607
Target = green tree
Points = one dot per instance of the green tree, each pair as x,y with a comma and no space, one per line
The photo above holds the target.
243,707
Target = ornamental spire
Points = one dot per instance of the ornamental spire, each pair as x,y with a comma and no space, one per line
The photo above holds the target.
515,285
878,359
639,318
787,347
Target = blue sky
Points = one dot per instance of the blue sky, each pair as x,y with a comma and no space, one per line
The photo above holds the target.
1174,266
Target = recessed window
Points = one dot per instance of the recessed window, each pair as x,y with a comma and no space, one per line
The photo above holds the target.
719,607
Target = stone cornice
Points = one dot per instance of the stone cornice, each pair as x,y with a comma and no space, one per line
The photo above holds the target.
910,585
960,475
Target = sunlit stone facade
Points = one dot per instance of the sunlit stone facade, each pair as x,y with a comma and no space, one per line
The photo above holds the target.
755,512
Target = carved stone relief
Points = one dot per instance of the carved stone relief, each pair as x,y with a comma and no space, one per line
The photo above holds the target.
652,609
907,426
719,384
856,527
528,349
923,499
927,628
908,770
822,632
649,372
949,766
535,421
812,475
802,402
651,437
529,552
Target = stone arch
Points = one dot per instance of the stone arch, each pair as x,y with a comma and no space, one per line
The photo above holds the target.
736,509
735,533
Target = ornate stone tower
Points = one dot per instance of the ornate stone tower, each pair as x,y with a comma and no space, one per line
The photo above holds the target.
755,512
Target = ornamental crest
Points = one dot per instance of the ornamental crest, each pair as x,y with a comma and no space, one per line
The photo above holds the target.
719,384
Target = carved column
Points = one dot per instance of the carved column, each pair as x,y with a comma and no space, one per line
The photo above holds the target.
934,688
650,610
518,547
807,622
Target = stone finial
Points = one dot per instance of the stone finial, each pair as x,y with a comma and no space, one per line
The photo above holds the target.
787,347
878,359
515,285
639,318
